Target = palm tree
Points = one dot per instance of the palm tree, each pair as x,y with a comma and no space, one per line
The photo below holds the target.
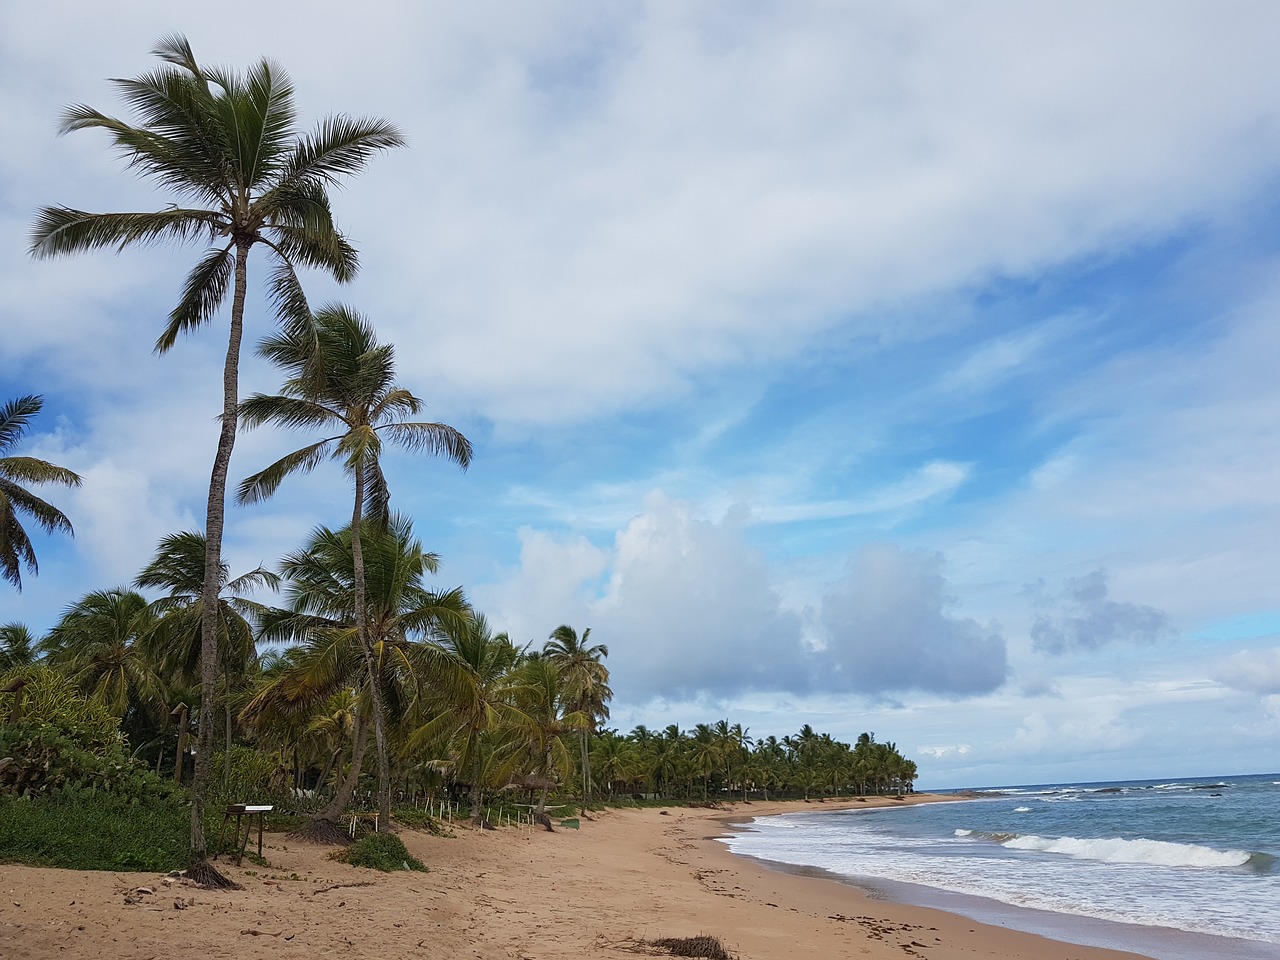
586,681
228,144
341,378
403,617
478,706
540,695
99,642
178,567
15,499
18,647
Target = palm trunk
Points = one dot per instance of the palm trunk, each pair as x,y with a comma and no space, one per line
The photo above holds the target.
226,753
347,788
477,789
366,644
586,771
214,520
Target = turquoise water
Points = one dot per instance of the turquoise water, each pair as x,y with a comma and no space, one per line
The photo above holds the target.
1197,855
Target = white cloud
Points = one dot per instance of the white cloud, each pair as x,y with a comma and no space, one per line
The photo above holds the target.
692,607
1253,671
888,628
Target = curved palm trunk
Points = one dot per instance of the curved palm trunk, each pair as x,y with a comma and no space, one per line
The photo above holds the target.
215,516
586,771
347,788
366,644
477,788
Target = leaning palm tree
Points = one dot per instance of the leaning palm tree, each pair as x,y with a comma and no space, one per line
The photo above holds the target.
402,617
586,681
15,499
341,379
477,708
226,145
178,567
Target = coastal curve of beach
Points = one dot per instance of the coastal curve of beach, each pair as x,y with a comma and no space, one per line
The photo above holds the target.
625,879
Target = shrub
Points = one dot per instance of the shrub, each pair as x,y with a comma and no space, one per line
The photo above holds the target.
380,851
58,740
81,830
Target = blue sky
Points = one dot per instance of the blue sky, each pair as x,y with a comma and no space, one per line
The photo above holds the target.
902,368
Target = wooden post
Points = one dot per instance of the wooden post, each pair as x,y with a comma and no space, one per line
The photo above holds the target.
15,712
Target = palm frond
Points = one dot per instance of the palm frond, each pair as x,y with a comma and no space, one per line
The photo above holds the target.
202,294
263,484
286,411
31,470
341,146
285,293
15,416
14,498
62,230
436,439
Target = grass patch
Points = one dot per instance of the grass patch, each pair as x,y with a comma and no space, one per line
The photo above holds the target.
380,851
95,832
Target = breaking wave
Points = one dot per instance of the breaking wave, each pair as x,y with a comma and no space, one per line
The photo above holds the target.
1117,850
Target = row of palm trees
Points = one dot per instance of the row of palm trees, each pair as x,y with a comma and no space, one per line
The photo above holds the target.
722,760
362,644
465,707
459,700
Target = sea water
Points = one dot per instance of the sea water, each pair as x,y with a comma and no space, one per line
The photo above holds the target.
1196,855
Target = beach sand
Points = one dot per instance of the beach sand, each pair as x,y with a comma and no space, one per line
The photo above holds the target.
626,876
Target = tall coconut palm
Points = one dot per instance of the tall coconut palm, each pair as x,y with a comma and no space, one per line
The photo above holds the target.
178,567
15,545
227,146
586,681
341,379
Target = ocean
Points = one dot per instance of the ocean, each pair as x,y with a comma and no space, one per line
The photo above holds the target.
1180,869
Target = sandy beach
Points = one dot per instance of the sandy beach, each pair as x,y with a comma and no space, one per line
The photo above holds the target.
626,876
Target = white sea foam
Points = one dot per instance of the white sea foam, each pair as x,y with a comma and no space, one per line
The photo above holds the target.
1021,809
1117,850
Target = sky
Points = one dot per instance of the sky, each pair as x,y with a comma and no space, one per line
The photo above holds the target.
904,368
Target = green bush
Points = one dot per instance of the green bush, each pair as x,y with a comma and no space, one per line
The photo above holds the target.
380,851
55,739
50,697
83,830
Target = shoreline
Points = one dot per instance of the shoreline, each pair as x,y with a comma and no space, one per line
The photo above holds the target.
1167,943
628,875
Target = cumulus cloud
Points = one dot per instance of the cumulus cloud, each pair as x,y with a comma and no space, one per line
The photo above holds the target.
1253,671
549,587
1081,617
693,608
889,628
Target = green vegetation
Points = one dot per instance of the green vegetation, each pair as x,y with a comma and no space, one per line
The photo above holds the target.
16,500
226,146
80,830
380,851
283,692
